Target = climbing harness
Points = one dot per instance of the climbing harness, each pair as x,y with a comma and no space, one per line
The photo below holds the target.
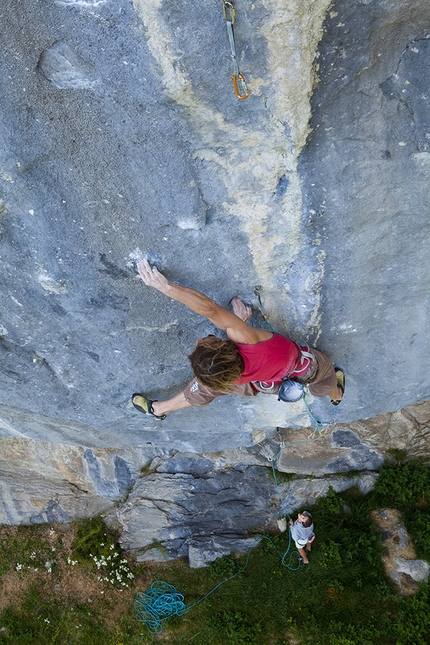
162,600
239,83
291,391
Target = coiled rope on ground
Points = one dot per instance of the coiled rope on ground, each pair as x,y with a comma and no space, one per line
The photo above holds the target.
163,600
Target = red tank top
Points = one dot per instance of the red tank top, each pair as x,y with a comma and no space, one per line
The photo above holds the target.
269,360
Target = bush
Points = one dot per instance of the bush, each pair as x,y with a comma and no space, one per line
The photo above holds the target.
404,483
95,545
407,488
224,567
413,623
237,627
331,503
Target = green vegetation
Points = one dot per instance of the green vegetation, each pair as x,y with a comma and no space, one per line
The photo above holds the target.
408,485
76,587
96,546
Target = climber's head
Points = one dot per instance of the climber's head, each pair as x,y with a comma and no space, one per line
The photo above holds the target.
216,363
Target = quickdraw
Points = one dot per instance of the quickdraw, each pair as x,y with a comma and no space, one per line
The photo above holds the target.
239,83
266,321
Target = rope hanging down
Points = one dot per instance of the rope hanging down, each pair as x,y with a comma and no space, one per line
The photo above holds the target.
239,83
162,600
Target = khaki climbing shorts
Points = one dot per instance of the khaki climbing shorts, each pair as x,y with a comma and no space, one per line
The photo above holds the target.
320,377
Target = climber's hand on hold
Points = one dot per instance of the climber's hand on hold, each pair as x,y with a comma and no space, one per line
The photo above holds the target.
237,330
152,276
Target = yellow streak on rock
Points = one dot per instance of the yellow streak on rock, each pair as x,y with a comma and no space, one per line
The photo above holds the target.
292,33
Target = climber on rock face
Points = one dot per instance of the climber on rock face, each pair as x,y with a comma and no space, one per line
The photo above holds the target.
251,360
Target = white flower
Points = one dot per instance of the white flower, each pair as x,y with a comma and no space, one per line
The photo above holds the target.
48,622
18,567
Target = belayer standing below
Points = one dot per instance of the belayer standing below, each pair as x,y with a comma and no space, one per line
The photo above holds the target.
302,532
250,361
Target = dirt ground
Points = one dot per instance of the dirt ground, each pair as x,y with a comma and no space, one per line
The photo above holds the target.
73,583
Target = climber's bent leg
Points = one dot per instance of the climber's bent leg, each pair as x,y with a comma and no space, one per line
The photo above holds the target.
322,378
177,402
198,395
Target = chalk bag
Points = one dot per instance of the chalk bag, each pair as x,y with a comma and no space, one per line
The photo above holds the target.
290,391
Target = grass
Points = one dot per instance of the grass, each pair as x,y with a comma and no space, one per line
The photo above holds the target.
68,587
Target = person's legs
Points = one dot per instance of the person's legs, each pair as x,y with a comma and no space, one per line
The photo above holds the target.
336,394
323,380
177,402
303,555
194,395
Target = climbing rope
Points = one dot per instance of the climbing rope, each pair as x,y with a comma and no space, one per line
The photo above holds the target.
239,83
162,600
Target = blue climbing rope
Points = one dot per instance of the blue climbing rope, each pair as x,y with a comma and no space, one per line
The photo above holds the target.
162,600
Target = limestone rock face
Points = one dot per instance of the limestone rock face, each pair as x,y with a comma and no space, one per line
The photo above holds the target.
365,169
122,138
42,482
195,507
178,504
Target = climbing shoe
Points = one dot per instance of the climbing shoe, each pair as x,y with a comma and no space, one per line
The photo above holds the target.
340,376
144,405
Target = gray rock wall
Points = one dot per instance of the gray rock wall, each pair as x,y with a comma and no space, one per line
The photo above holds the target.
121,138
44,482
169,505
365,169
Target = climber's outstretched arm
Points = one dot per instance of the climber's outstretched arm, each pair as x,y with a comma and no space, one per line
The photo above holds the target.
237,330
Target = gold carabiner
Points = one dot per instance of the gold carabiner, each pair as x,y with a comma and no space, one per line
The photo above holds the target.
228,6
241,78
